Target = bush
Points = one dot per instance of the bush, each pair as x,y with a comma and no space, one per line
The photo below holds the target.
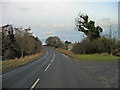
77,48
86,47
102,45
116,52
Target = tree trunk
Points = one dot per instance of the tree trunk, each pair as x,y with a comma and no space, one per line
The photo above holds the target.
22,53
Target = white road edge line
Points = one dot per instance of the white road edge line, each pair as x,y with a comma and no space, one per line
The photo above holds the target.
33,86
47,67
65,56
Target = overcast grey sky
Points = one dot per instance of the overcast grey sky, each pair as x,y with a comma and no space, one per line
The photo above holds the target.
57,18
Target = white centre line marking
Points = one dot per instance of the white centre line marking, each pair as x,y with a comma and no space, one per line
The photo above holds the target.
33,86
52,60
47,67
54,56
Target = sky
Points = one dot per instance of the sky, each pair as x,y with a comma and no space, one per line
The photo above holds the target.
58,18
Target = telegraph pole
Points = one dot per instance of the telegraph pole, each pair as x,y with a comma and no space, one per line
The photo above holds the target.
110,36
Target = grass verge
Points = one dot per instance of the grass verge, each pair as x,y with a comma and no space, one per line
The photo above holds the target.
90,57
14,63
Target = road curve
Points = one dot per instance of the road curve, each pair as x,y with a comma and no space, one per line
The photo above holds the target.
54,70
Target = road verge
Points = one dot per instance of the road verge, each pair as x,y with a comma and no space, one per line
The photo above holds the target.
90,57
14,63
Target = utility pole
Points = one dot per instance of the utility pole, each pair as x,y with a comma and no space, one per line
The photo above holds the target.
110,37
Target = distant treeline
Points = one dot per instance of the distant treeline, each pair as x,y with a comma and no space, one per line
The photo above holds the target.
18,42
56,42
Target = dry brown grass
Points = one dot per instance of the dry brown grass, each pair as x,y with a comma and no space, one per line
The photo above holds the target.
14,63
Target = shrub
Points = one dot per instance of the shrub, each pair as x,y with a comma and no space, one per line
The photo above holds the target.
116,52
102,45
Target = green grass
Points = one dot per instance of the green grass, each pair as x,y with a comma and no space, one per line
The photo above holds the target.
8,65
97,57
90,57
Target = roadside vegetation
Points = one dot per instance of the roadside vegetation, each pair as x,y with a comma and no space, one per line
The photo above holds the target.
19,47
19,42
90,57
56,42
11,64
94,42
101,45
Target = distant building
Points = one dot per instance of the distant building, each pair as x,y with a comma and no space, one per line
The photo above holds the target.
70,46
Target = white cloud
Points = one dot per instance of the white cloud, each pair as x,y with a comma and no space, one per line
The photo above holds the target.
59,0
23,8
106,22
60,27
55,18
43,35
47,33
55,27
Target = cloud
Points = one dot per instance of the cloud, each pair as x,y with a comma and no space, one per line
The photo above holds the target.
52,26
59,0
23,8
61,27
44,35
47,33
106,22
57,26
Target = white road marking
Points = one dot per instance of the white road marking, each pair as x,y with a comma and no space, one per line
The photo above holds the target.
47,67
65,56
53,58
33,86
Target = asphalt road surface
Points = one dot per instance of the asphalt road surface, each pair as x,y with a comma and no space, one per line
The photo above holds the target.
54,70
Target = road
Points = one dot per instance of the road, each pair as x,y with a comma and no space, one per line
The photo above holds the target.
54,70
